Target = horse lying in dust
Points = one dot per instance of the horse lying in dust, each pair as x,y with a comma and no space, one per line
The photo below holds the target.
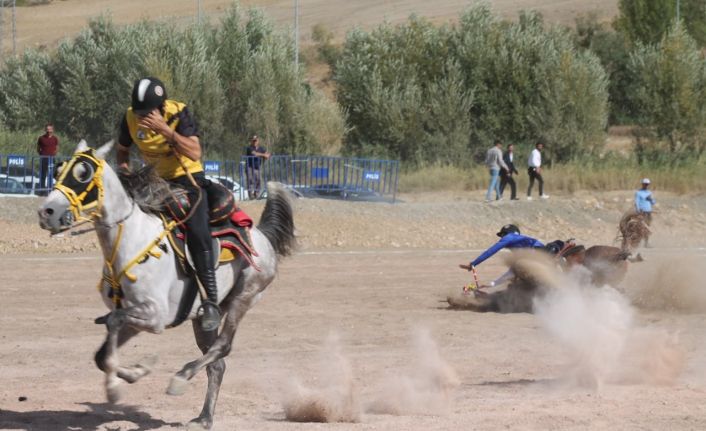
140,270
537,272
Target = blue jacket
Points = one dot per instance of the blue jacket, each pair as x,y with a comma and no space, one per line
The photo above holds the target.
644,201
511,240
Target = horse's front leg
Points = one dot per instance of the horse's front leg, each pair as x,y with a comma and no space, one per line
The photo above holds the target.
122,324
129,374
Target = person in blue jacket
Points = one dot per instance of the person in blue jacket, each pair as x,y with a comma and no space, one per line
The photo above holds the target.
644,202
511,238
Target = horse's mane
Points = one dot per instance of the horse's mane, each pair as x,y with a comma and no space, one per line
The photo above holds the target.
146,188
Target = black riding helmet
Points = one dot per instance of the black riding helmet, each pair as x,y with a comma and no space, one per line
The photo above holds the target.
147,94
508,228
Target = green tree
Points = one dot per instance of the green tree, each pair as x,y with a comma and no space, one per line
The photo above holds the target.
613,50
647,21
238,78
669,91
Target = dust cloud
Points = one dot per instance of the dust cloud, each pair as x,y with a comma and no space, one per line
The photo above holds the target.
332,398
597,327
425,388
674,284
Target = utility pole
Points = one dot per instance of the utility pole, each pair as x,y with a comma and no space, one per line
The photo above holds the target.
14,27
678,10
2,19
296,34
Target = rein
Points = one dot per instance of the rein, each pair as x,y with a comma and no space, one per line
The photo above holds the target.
78,206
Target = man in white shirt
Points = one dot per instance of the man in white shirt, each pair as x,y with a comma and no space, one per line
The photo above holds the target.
535,171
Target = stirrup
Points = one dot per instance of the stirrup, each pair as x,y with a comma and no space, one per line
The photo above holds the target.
212,322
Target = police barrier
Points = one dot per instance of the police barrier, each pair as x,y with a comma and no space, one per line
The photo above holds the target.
312,176
320,176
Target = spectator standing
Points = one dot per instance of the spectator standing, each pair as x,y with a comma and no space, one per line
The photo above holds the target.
47,146
256,153
494,161
535,171
643,204
506,174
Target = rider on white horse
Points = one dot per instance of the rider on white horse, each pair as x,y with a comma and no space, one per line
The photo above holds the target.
166,134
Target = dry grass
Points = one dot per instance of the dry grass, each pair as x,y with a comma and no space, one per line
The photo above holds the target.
567,178
68,17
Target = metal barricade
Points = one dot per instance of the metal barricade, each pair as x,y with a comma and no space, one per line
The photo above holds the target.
23,175
312,176
323,176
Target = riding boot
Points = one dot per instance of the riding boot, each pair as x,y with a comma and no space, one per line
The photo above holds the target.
211,318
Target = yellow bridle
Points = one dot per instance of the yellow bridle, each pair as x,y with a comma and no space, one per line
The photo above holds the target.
77,206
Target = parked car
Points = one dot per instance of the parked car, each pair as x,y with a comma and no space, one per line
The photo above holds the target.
9,185
232,185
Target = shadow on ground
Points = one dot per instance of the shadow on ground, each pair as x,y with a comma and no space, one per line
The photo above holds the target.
97,415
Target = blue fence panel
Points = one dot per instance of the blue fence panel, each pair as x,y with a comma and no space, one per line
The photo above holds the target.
323,176
315,176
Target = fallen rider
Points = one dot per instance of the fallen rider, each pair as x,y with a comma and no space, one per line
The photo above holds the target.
510,238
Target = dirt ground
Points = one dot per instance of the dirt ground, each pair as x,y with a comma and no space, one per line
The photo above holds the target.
509,372
444,220
360,310
47,24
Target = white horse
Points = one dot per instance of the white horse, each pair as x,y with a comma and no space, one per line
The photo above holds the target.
142,283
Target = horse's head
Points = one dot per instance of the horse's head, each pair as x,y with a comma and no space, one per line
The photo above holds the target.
78,190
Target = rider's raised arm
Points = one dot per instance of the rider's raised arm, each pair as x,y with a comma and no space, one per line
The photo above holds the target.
491,251
185,137
122,154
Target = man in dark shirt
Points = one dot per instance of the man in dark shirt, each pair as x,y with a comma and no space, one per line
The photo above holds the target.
506,174
255,154
47,144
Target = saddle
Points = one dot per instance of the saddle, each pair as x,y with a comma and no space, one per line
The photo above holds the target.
229,225
230,234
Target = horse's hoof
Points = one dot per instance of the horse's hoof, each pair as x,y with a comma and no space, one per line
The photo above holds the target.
177,386
199,424
114,393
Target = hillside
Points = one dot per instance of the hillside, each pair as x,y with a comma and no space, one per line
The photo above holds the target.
46,25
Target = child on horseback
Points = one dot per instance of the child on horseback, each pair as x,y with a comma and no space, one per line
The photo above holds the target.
166,134
511,238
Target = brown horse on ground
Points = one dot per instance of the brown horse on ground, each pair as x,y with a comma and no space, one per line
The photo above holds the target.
537,272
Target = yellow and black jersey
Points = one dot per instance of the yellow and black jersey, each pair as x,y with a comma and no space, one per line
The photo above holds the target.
154,147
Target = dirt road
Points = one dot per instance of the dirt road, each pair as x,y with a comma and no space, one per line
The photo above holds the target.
504,371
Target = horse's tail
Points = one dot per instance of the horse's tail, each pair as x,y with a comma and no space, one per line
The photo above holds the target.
277,221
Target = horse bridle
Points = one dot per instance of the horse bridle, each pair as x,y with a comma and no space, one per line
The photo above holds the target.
83,190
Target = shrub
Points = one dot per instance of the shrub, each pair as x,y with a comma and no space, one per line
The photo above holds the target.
647,21
429,94
238,78
669,90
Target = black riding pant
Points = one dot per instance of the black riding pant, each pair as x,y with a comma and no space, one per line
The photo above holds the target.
506,179
198,237
534,175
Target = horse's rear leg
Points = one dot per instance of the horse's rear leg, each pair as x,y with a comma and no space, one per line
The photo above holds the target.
215,371
219,349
